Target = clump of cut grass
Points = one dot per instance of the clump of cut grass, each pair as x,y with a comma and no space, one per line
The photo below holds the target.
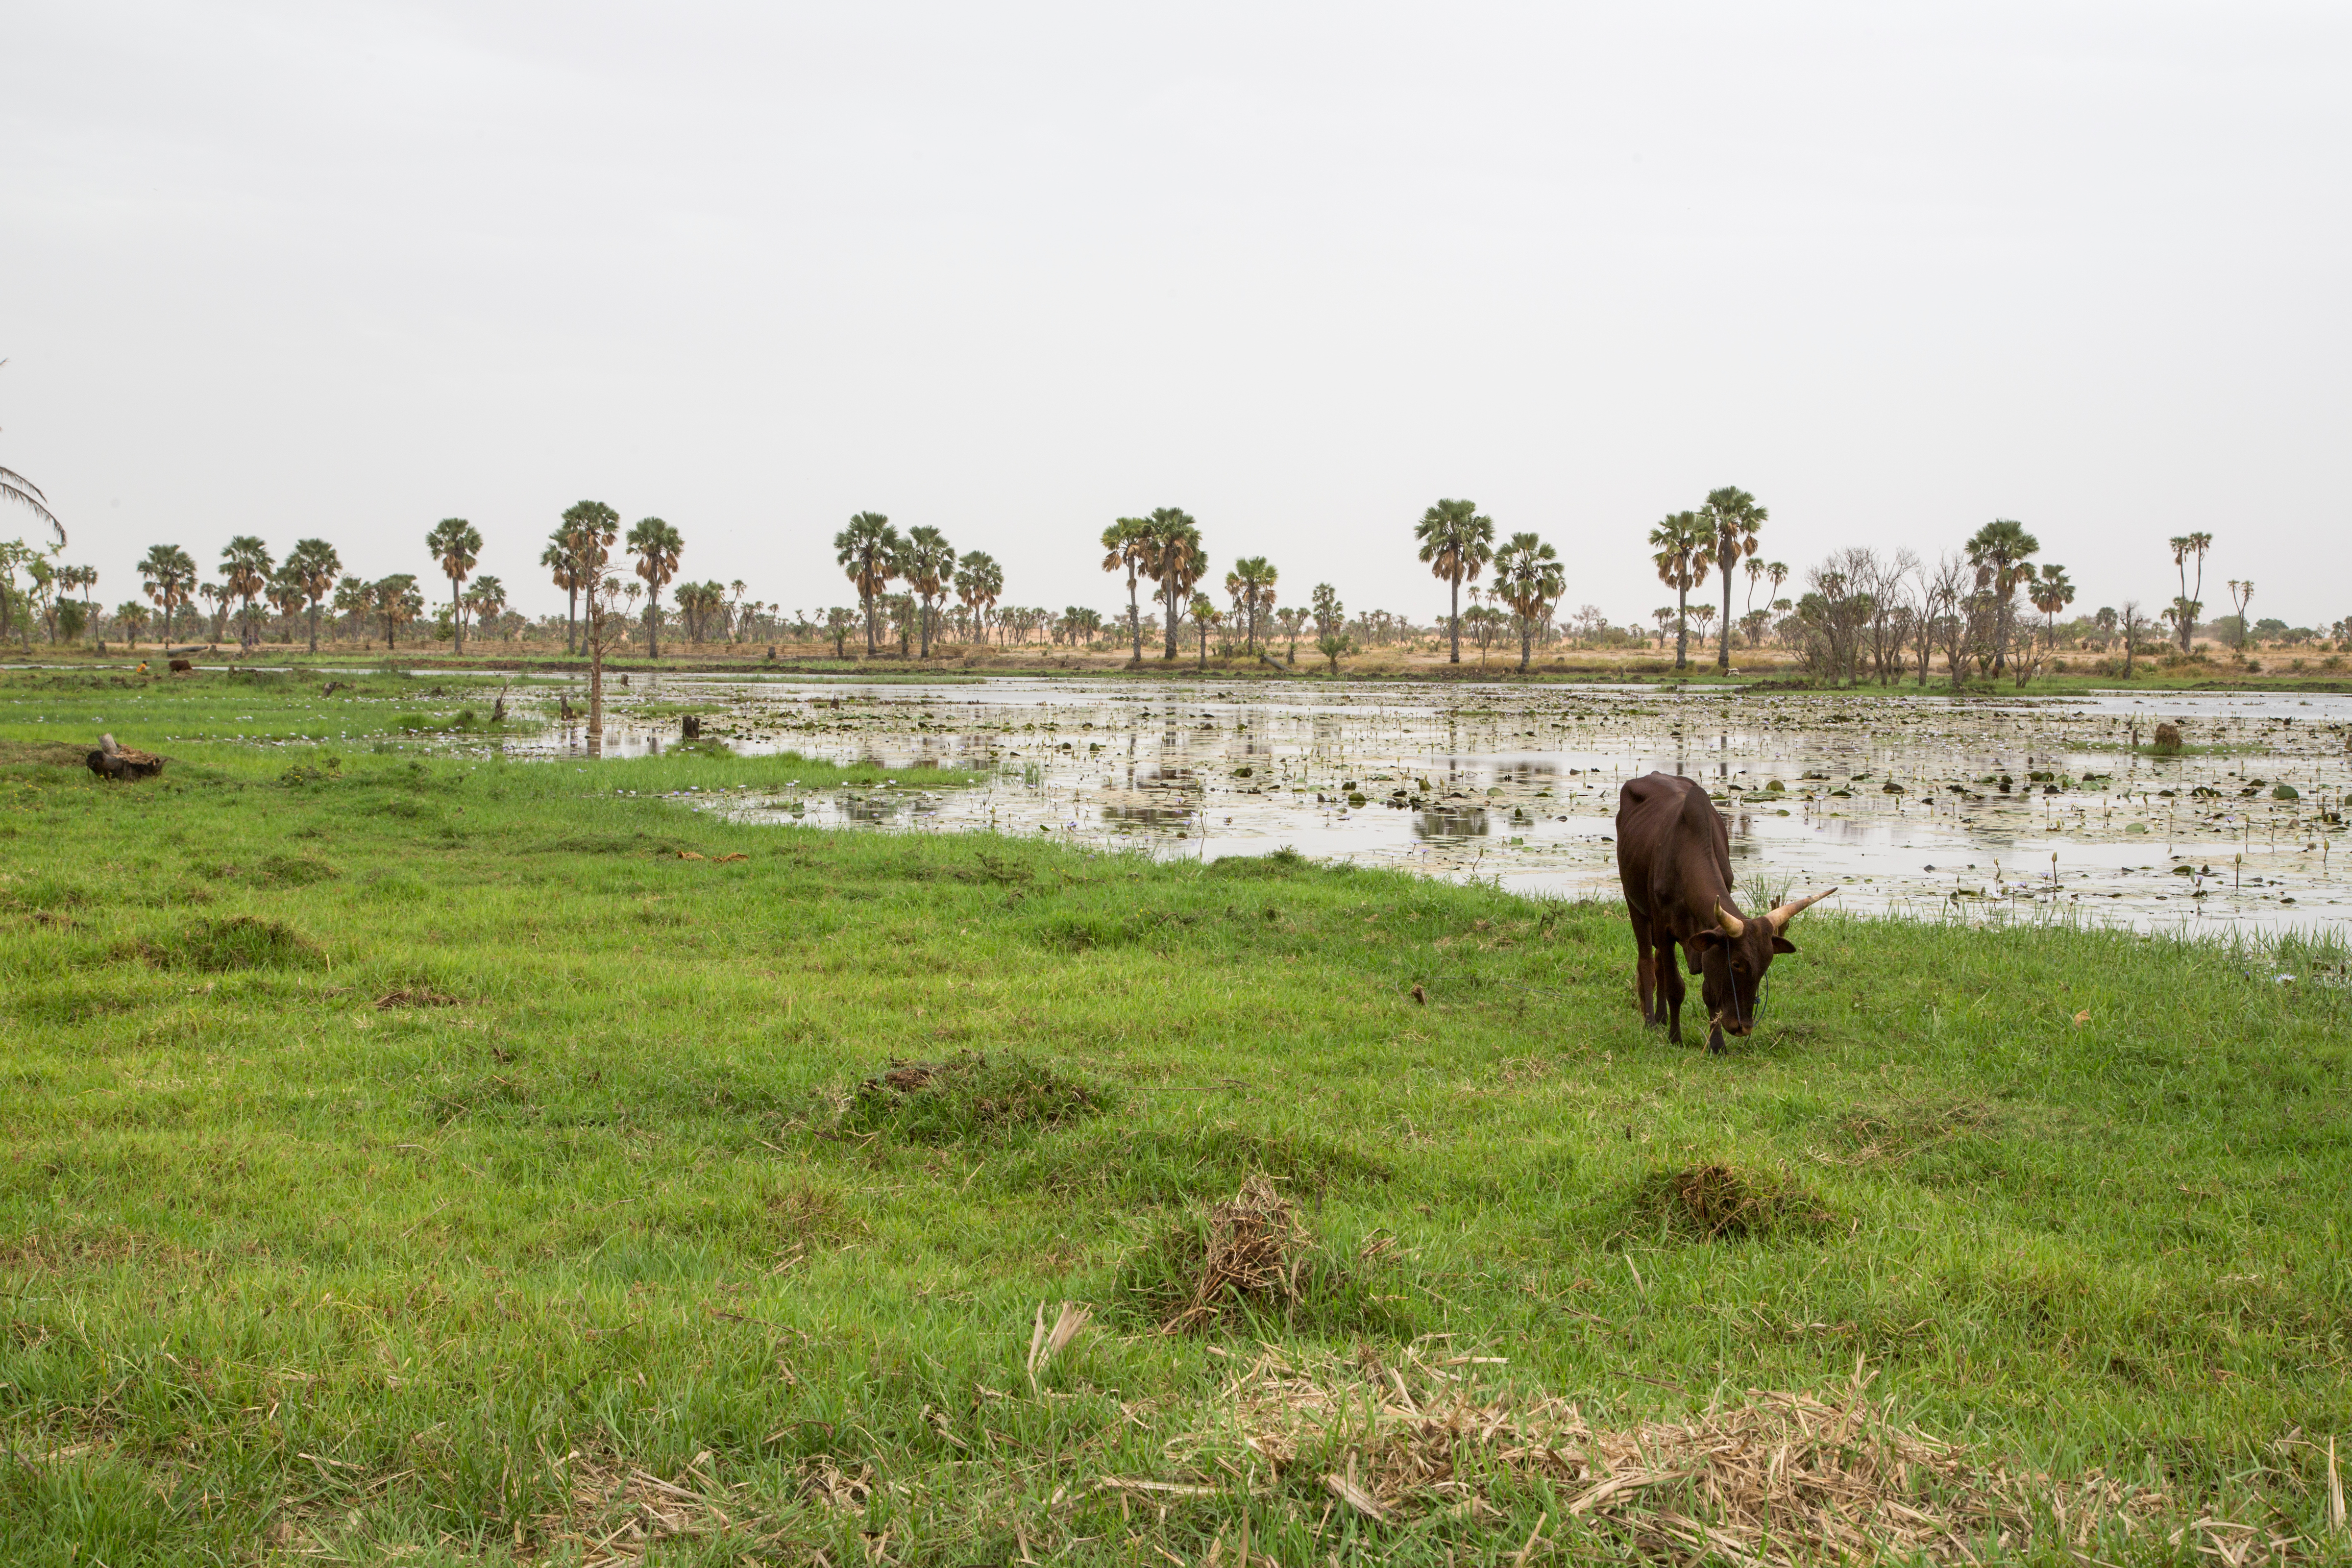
1250,1254
970,1096
1720,1203
1781,1477
233,942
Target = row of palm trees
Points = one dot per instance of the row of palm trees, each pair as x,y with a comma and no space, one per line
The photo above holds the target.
874,554
308,581
1457,544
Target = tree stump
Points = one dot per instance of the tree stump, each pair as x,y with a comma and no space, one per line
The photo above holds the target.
689,728
110,761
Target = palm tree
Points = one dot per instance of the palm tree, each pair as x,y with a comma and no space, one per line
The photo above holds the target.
168,574
837,622
576,555
2241,593
486,597
2051,594
979,582
1173,559
355,596
1455,543
133,616
456,544
1204,615
1528,576
2001,552
655,545
2187,608
216,598
313,564
245,573
868,550
1733,519
396,599
1251,582
1704,615
928,563
1127,543
16,488
1680,543
1331,624
287,596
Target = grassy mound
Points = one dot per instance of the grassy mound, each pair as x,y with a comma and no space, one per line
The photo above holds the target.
969,1096
1721,1202
236,942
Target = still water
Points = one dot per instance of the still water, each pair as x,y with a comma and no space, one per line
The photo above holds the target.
1989,808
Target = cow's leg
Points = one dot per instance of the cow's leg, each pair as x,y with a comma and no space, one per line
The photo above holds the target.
1645,966
1670,980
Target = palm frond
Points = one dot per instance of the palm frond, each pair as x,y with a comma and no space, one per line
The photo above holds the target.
17,487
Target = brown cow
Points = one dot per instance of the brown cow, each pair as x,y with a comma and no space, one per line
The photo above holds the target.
1673,856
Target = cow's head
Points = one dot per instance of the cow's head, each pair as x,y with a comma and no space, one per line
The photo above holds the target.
1733,958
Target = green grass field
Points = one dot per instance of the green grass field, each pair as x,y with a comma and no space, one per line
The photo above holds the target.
435,1159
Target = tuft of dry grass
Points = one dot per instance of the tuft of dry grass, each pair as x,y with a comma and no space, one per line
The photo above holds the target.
1779,1478
1252,1250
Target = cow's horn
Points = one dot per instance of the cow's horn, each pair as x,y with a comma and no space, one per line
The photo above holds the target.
1732,926
1795,907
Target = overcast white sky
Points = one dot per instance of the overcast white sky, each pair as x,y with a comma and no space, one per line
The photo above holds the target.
1014,270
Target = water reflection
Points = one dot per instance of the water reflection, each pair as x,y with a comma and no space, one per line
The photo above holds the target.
1523,781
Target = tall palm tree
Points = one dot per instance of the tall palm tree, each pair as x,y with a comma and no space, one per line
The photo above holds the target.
168,576
1733,519
979,582
2241,593
245,573
1679,547
1251,582
928,563
2001,552
314,565
1455,543
1528,575
576,553
456,544
1126,543
868,551
16,488
1173,559
656,546
2186,606
2051,594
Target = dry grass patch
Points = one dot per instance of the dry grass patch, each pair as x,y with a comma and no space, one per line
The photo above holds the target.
1252,1256
1779,1478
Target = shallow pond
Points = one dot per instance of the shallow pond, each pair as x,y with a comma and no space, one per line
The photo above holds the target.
2016,809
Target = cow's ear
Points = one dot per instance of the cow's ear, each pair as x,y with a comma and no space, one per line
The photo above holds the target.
1702,940
1783,945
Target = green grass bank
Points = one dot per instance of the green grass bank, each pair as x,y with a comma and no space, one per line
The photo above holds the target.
434,1161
